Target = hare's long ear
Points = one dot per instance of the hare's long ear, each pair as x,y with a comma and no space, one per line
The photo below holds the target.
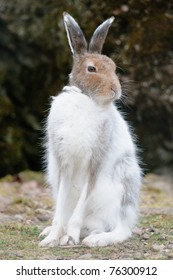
99,36
76,39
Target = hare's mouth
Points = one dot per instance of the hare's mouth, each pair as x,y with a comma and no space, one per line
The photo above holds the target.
115,94
107,97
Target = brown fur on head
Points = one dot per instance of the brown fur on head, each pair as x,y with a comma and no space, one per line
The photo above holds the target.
92,72
102,85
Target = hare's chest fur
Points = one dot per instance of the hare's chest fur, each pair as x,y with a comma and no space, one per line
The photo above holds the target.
77,126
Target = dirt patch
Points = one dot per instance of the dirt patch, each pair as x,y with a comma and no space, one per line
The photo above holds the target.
26,208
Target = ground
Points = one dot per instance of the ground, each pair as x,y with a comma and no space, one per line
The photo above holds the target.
26,208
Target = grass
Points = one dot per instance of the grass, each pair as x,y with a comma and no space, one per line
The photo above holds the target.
24,207
21,241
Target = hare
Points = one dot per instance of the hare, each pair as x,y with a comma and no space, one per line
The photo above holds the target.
92,165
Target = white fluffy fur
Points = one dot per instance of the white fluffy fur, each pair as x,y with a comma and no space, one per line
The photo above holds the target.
99,205
91,159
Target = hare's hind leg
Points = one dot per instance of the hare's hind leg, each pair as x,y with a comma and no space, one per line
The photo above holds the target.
120,233
120,219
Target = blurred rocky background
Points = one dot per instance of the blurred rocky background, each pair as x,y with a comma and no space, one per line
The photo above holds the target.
35,61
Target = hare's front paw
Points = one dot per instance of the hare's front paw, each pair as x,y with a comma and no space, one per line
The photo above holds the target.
49,242
53,237
45,232
71,238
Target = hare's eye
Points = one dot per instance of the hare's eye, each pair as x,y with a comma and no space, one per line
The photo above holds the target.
91,69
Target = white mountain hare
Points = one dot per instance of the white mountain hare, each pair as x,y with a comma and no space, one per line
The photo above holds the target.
92,165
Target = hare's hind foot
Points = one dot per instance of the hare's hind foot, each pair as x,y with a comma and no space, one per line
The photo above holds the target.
107,238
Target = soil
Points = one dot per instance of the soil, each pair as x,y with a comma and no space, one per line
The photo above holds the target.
26,207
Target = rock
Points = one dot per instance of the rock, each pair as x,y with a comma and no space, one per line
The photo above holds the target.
85,257
153,229
170,255
145,236
19,218
43,217
170,246
157,247
137,231
138,256
147,254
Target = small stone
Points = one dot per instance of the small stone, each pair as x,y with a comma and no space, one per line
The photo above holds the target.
170,246
137,231
147,254
138,256
43,218
43,215
166,250
153,229
157,247
127,258
170,255
20,218
145,236
85,257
